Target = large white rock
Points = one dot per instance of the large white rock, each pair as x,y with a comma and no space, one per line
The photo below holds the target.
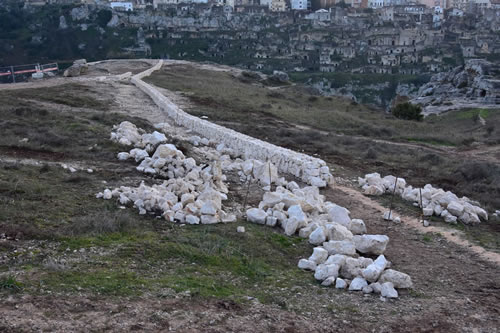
358,227
372,244
358,284
338,232
387,290
339,215
317,181
290,226
319,255
340,283
398,279
317,236
373,271
191,219
138,154
209,219
123,156
340,247
256,215
373,190
325,271
154,138
107,194
353,267
208,208
296,212
270,199
307,264
271,221
338,259
455,208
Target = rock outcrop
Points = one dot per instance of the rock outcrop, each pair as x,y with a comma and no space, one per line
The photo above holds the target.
477,83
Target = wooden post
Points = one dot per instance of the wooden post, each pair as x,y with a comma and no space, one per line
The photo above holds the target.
13,75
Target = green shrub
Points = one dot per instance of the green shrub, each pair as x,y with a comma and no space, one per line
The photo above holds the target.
408,111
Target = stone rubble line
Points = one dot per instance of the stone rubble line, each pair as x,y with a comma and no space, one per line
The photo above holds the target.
338,239
435,201
309,169
191,193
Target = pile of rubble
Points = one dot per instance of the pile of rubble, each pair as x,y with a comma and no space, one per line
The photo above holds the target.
434,201
339,240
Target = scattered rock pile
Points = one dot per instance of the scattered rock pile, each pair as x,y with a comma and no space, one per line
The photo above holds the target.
435,201
335,261
78,68
191,194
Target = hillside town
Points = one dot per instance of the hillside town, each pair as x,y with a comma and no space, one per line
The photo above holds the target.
405,37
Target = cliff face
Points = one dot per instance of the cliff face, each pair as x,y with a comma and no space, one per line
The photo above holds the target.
477,83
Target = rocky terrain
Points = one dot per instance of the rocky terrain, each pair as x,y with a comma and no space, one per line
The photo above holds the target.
149,257
476,84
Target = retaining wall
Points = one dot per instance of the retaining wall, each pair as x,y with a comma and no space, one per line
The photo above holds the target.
309,169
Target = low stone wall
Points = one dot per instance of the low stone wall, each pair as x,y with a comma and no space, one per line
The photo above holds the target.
309,169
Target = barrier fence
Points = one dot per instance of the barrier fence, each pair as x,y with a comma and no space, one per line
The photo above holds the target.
18,73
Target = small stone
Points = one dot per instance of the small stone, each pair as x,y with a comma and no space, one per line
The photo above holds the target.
240,229
367,290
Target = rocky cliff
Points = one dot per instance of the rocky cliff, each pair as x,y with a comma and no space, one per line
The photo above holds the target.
476,84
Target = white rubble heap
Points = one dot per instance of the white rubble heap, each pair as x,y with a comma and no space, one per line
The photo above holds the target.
338,239
435,201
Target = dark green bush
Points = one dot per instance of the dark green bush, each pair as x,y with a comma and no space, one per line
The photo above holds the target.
408,111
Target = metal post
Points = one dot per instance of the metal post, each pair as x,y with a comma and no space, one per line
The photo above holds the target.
421,205
392,198
13,75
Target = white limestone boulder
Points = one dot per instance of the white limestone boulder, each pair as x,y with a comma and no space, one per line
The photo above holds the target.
358,227
340,283
338,232
398,279
371,244
357,284
387,290
325,271
307,264
339,215
317,236
256,215
373,271
319,255
455,208
340,247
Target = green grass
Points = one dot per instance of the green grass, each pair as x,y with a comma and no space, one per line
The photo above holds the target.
470,114
10,284
207,261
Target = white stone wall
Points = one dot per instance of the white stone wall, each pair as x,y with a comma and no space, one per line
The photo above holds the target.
309,169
